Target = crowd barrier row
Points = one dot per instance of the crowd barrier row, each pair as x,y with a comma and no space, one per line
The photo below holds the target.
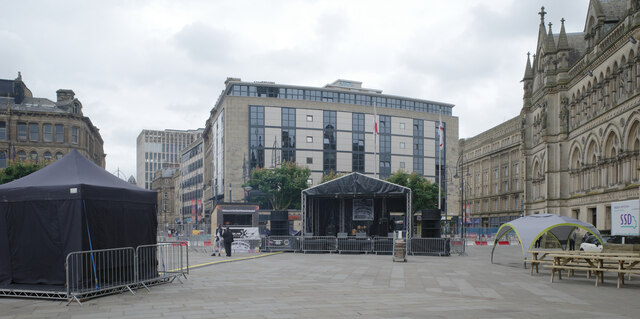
101,272
376,245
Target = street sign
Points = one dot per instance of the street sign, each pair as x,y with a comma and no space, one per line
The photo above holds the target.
625,218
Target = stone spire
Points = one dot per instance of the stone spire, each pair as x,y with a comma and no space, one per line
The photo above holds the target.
528,71
542,32
563,43
549,44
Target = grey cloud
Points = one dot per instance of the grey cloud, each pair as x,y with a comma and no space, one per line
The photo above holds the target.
204,43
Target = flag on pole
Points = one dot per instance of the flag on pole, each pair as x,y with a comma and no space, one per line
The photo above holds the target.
375,119
441,133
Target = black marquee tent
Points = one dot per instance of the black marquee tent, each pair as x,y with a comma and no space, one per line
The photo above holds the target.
355,200
69,205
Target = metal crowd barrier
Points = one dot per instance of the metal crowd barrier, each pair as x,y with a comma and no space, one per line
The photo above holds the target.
458,246
319,244
283,243
383,245
101,272
161,263
430,246
354,244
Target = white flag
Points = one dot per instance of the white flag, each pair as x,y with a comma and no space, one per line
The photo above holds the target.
441,133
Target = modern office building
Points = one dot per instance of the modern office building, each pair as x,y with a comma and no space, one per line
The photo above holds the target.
160,149
331,128
191,182
39,130
579,141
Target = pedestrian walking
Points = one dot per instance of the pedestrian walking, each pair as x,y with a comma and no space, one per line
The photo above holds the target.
217,244
572,241
227,236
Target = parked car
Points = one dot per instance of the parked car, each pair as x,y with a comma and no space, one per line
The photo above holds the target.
627,240
591,243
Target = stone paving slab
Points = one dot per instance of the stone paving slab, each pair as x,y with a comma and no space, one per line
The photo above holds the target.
297,285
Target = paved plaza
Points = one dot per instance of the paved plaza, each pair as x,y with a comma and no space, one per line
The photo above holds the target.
289,285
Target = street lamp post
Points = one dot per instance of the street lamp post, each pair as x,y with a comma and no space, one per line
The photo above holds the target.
463,234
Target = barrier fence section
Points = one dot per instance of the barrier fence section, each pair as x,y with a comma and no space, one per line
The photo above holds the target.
383,245
458,246
161,263
354,244
319,244
430,246
101,272
283,243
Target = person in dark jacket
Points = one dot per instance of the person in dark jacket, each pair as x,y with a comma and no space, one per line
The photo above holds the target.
227,236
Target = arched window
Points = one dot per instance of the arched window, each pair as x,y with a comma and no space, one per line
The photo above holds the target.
33,156
59,155
3,159
22,155
46,156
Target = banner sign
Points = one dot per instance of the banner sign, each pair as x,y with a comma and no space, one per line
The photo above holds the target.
362,209
624,218
245,239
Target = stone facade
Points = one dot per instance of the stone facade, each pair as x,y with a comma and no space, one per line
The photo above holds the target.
580,120
40,130
163,184
493,166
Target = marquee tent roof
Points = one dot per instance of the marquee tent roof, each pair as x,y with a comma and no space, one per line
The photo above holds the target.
356,183
530,228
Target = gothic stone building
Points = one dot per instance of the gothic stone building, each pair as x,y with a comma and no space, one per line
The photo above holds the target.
580,120
40,130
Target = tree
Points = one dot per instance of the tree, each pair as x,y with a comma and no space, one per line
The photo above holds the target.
281,186
17,170
330,176
424,194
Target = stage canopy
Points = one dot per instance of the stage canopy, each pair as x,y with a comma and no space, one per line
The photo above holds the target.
530,228
69,205
355,202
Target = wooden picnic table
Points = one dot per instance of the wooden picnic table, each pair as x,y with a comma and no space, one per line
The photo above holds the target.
620,263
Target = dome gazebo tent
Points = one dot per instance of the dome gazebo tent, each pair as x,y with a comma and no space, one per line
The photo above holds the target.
530,228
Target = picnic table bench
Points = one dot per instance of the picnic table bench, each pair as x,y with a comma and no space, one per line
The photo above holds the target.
597,263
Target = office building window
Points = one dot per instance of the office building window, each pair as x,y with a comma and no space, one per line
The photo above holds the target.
385,145
329,141
22,131
256,136
59,133
3,131
309,139
34,132
74,135
288,134
47,132
309,118
357,147
418,146
309,160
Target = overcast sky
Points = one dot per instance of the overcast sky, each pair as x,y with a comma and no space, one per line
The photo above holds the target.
138,65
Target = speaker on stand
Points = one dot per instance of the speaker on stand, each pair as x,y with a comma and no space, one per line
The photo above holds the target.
431,223
280,223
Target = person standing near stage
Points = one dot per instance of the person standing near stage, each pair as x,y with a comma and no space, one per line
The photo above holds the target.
217,245
227,236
